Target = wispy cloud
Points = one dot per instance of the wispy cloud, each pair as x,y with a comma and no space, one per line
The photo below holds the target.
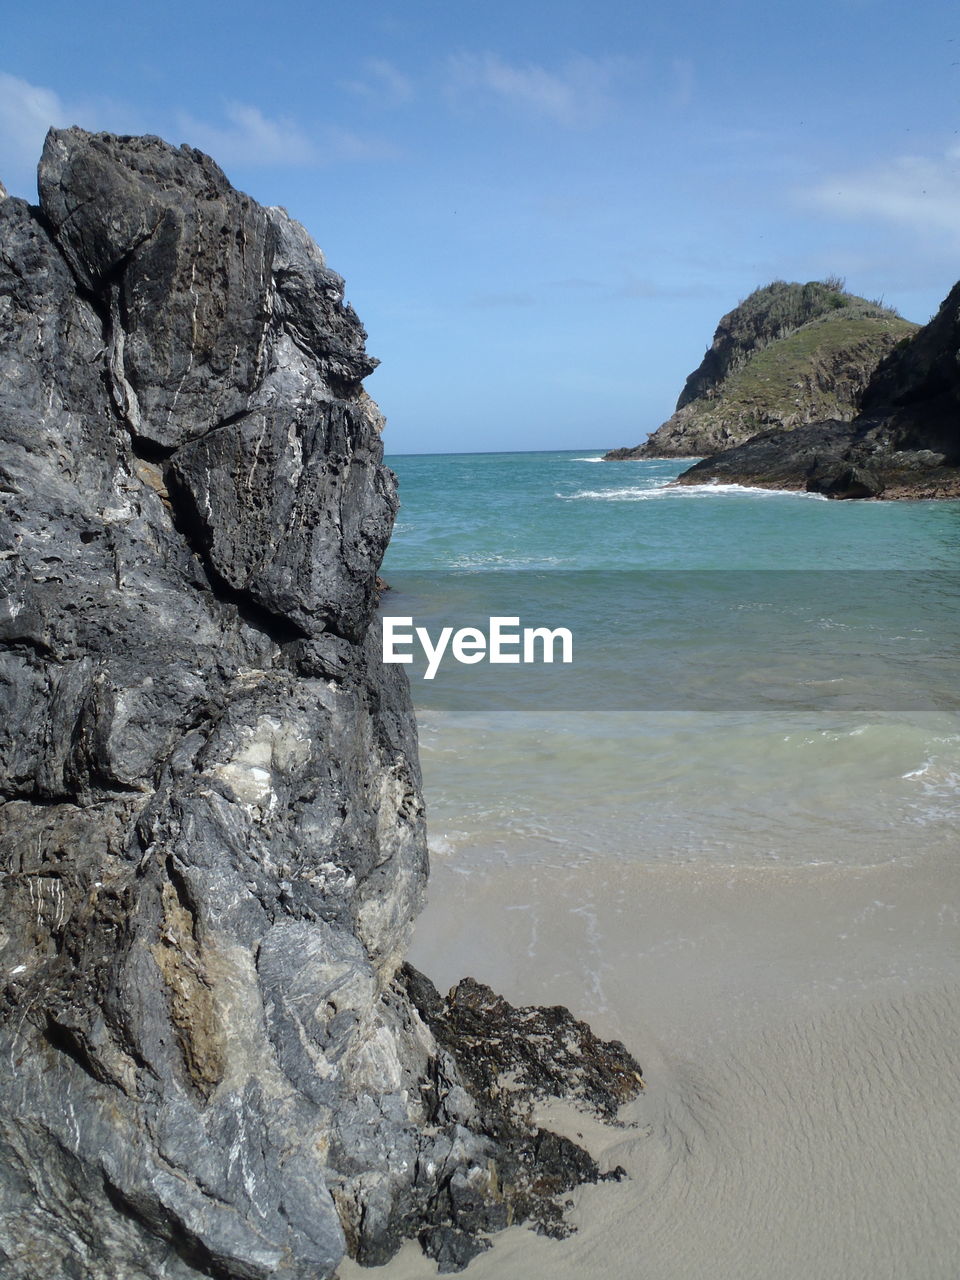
345,144
249,137
27,111
915,191
380,81
577,93
243,136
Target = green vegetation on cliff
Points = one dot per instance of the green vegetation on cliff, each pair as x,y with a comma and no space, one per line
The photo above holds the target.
787,355
904,443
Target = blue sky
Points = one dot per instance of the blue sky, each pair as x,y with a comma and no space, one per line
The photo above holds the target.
541,210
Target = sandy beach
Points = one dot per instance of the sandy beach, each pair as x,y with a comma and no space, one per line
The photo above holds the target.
756,894
799,1029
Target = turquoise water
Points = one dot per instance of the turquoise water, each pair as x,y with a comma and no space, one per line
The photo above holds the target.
758,677
570,511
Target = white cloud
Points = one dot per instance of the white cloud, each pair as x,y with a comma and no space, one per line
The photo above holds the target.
244,136
576,94
249,138
27,111
382,82
344,144
918,192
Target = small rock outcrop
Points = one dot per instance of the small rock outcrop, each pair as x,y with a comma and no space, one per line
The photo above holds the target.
788,355
904,443
211,829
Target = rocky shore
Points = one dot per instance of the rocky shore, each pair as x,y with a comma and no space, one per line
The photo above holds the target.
212,1059
787,356
904,443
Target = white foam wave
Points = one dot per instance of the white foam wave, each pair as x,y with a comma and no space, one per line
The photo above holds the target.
598,458
685,491
492,561
936,777
440,846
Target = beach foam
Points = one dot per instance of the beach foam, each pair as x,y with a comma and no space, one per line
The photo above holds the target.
713,489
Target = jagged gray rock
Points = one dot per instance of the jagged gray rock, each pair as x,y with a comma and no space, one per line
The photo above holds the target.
211,831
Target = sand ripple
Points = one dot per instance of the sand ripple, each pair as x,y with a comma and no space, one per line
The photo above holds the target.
826,1151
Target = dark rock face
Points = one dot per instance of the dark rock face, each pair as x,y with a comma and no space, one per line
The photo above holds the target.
904,444
211,830
852,482
787,356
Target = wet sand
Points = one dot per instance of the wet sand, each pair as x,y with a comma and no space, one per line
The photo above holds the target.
799,1029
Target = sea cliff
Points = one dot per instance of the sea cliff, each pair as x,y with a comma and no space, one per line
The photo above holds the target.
904,442
786,356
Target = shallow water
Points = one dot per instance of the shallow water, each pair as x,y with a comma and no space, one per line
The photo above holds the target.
726,837
758,677
681,787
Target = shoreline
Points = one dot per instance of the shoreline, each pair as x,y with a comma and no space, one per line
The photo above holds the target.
898,494
796,1028
946,491
894,493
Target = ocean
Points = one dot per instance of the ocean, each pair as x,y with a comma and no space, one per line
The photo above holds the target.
725,834
757,677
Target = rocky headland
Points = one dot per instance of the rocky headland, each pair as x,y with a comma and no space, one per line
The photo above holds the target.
213,1061
904,442
787,356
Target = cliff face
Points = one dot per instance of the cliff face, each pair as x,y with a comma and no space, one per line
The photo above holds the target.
211,829
905,442
788,355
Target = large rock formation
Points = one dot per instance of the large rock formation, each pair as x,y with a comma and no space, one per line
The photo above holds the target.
788,355
905,442
211,829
